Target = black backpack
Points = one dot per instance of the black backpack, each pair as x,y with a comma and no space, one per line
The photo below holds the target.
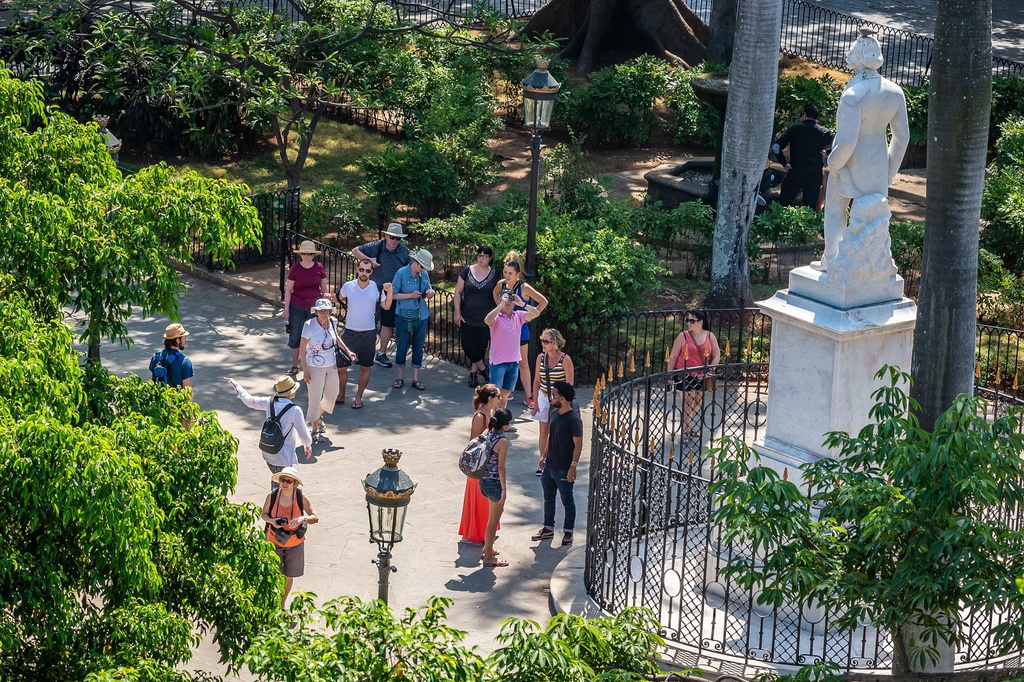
272,436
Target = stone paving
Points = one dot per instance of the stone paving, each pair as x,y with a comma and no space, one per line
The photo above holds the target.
236,335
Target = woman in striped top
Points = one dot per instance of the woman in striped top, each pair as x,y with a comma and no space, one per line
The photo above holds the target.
552,366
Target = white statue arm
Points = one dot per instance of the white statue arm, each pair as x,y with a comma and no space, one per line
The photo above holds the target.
899,127
847,132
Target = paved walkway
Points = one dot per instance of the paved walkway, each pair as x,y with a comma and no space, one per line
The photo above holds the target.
236,335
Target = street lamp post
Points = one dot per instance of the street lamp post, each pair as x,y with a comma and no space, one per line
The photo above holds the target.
388,490
539,92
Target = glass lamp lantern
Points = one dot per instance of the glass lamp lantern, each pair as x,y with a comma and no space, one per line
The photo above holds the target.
539,92
388,490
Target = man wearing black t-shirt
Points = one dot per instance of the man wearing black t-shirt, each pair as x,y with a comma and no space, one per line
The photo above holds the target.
806,141
565,445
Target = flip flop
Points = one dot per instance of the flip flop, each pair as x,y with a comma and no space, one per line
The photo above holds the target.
399,383
495,564
357,405
418,385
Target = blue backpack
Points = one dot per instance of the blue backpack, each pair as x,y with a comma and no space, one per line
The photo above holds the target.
160,365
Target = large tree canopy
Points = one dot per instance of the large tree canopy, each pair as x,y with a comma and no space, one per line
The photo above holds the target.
120,546
76,234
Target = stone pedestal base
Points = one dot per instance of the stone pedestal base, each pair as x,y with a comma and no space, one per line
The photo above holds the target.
823,362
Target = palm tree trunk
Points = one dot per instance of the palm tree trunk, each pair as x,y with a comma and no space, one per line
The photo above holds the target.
958,120
749,113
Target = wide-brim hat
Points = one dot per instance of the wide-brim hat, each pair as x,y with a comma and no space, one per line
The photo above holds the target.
290,472
424,258
285,385
322,304
395,230
307,247
174,331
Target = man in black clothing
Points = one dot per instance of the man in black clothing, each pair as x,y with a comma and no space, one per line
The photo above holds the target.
806,141
565,445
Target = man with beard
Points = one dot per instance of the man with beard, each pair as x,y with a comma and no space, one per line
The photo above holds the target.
360,296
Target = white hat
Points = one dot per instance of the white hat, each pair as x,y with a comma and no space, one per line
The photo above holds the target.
323,304
290,472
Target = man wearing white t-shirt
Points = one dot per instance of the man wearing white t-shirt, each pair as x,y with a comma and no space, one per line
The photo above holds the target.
360,297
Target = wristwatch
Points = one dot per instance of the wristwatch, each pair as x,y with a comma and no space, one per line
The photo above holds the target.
573,465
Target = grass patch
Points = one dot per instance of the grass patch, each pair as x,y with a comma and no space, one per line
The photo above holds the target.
333,157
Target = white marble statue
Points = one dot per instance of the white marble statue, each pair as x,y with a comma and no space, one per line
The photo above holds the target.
863,162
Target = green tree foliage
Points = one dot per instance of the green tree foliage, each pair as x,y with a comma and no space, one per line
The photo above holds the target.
77,234
347,639
905,527
616,108
1003,201
120,546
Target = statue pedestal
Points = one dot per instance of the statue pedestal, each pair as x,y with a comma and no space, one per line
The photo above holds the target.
823,362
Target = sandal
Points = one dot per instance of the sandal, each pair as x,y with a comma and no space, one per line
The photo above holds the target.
496,563
294,370
496,553
418,385
339,401
357,404
399,383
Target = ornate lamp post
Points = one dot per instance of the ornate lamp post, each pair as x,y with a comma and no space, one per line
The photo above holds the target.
539,92
388,490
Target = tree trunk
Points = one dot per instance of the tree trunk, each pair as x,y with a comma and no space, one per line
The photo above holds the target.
958,120
749,116
723,31
665,28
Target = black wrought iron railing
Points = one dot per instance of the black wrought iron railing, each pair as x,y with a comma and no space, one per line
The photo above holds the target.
651,542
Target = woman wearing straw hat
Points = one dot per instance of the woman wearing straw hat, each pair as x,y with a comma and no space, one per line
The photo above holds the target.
287,512
289,416
411,291
320,341
305,284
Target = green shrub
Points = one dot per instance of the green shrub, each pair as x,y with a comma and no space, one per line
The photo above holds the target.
797,91
907,238
617,106
1003,199
696,123
917,113
570,185
332,209
1007,102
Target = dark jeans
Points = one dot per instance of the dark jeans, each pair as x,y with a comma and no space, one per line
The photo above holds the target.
554,481
409,333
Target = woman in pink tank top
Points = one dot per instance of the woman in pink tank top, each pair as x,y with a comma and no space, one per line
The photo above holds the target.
695,349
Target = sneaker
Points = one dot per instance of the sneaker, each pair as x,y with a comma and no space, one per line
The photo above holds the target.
543,534
538,472
382,360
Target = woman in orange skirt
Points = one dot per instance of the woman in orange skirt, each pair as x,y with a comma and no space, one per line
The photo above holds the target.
474,504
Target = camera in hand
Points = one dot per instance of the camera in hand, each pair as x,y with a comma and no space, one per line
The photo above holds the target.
282,534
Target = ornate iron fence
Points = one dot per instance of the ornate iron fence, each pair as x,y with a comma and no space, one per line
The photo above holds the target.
650,541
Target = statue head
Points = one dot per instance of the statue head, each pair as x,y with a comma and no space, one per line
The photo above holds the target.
866,52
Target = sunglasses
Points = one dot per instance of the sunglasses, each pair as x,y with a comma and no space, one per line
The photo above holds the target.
365,270
396,239
546,341
286,481
691,320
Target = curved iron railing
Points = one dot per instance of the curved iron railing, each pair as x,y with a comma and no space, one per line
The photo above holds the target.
650,541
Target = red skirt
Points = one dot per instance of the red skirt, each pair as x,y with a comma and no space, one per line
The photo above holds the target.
475,510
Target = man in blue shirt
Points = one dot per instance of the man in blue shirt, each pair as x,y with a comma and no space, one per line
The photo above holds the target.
411,291
176,365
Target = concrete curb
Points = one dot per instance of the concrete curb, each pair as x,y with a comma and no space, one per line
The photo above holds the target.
568,593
